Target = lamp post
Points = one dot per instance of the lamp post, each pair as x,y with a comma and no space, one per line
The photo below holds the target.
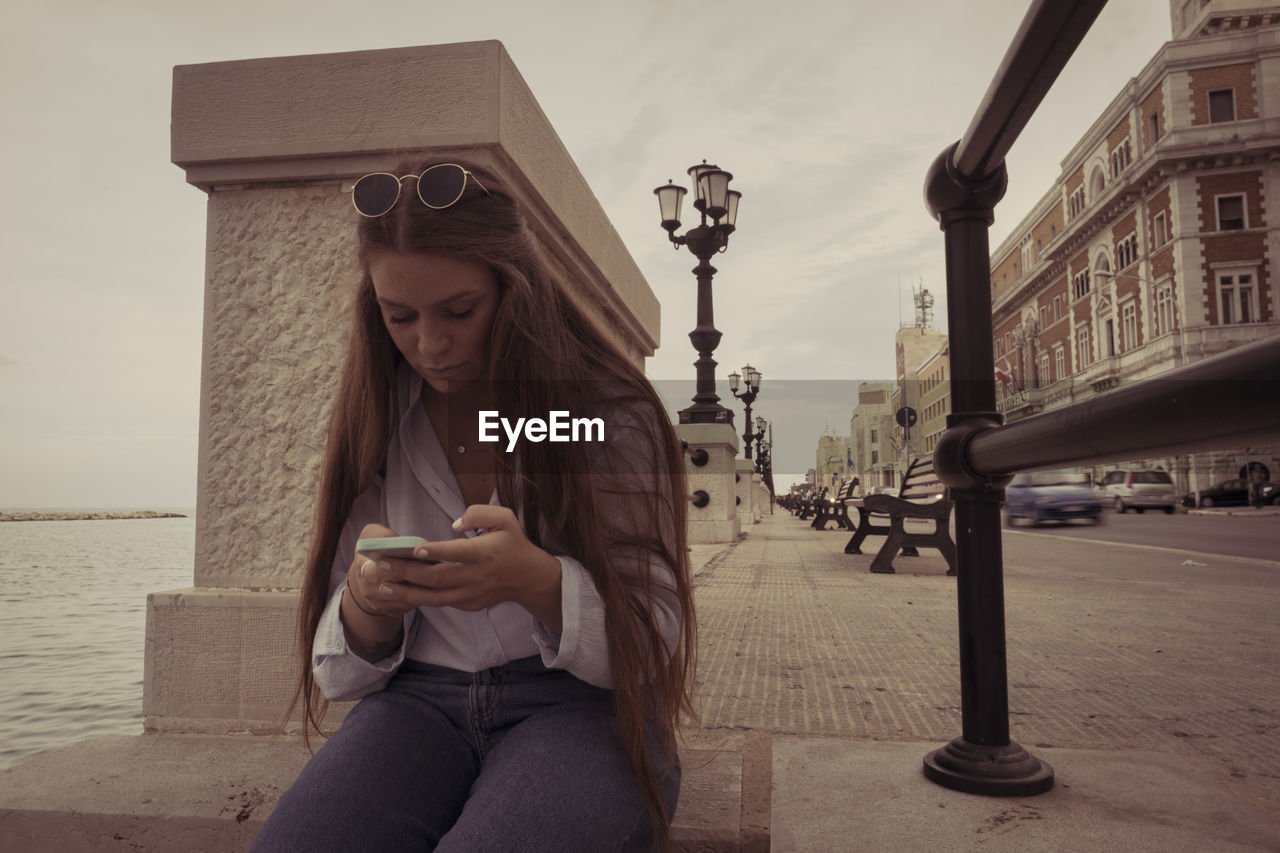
764,460
718,207
748,396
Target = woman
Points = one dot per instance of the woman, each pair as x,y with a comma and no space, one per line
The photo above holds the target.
521,678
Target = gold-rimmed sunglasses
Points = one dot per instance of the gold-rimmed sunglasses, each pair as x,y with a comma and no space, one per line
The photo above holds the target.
439,186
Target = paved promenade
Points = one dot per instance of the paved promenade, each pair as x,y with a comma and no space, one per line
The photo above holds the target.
1149,678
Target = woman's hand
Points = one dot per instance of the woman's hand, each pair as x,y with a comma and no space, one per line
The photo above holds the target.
365,580
372,624
499,565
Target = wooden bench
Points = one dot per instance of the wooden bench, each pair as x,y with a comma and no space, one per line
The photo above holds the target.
923,496
836,509
810,506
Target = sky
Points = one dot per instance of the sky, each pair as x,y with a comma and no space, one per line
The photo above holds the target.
827,113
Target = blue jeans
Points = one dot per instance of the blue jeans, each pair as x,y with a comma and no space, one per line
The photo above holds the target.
513,758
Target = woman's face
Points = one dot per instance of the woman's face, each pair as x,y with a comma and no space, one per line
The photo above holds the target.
438,310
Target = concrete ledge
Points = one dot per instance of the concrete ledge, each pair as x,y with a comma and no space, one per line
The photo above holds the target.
829,791
206,793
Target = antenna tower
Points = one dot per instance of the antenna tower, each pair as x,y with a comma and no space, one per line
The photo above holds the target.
924,306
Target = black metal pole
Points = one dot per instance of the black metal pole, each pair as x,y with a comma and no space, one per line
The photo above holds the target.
983,760
962,188
703,241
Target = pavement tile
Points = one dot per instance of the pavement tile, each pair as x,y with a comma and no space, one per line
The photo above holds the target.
1110,648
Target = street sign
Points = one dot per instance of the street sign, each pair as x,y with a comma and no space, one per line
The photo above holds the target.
906,417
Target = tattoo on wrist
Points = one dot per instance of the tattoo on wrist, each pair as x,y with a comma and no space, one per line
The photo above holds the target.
376,651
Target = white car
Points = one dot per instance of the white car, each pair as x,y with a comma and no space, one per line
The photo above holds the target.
1139,490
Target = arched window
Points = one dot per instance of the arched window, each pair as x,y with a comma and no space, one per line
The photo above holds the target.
1097,183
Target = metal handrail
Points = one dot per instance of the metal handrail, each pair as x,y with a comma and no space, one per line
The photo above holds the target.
1211,404
1048,35
1231,400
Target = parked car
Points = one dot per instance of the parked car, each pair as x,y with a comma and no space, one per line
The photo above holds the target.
1232,493
1041,496
1139,490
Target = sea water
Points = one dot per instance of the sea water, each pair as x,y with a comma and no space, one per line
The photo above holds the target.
73,597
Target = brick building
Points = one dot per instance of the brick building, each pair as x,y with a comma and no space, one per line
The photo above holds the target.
1157,245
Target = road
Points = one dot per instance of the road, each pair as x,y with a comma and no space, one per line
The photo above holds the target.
1232,536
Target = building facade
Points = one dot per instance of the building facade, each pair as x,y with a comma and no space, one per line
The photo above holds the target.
919,352
1157,245
833,462
871,436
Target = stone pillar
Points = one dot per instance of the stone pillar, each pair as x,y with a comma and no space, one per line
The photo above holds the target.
746,499
717,520
274,143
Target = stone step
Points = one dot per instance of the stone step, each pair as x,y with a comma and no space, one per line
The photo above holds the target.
163,792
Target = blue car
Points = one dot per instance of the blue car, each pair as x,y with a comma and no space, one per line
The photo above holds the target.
1041,496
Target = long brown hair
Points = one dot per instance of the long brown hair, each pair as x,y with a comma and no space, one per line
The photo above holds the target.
546,354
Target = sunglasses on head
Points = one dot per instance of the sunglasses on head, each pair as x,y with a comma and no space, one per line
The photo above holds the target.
439,186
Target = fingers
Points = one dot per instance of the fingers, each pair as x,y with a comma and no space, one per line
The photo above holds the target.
376,531
376,583
483,518
486,517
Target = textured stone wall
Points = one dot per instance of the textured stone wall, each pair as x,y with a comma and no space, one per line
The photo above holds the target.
280,270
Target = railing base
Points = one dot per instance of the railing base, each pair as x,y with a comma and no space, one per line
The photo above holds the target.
997,771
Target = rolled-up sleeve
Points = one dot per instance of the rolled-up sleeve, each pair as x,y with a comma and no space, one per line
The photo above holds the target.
339,672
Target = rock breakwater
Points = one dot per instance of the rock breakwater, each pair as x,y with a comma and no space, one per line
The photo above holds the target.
85,516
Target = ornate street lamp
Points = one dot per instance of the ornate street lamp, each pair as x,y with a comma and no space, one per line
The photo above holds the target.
718,207
748,396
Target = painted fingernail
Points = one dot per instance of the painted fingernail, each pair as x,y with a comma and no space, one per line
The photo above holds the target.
457,525
384,566
386,590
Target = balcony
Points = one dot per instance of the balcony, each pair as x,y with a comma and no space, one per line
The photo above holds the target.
1021,404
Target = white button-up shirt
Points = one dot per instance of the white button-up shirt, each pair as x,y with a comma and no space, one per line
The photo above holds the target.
420,497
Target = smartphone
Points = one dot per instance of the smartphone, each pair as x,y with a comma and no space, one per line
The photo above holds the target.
390,546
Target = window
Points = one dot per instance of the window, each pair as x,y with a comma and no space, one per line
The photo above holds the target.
1084,353
1080,284
1045,377
875,436
1120,158
1097,183
1222,105
875,456
1075,202
1237,297
1059,361
1111,337
1057,308
1160,229
1053,232
1231,213
1153,122
1129,326
1127,251
1164,308
1044,311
